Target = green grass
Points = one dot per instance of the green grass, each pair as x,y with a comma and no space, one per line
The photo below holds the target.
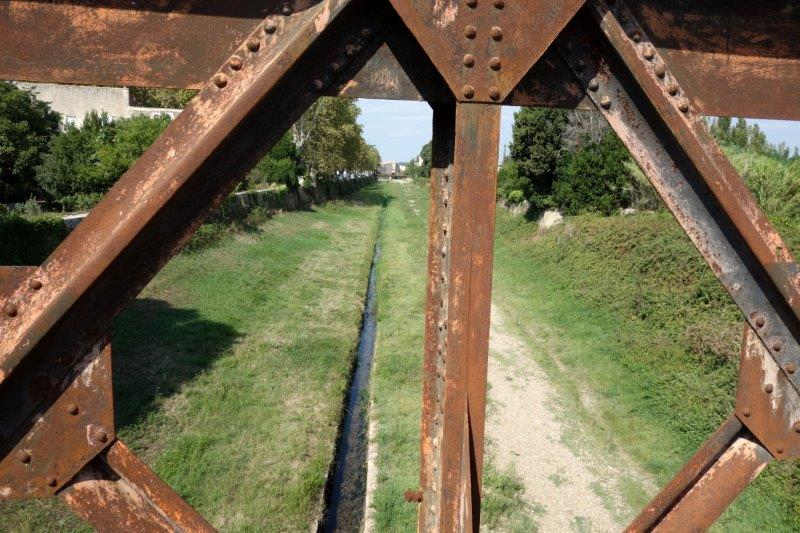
634,316
231,366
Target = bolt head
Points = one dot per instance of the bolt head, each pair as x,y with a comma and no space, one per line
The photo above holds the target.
10,309
24,456
496,32
683,106
236,63
790,367
768,388
746,412
779,450
495,63
253,44
73,409
100,435
366,32
270,26
760,321
649,53
472,3
494,93
672,88
52,482
286,9
796,427
469,60
220,80
605,102
468,91
35,284
470,32
777,345
318,84
661,70
594,85
499,4
637,37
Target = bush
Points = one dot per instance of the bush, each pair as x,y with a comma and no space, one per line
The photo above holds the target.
28,241
26,125
83,163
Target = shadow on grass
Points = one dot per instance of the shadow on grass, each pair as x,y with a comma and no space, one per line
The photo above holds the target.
157,348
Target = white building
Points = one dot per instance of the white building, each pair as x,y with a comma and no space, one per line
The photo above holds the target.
74,102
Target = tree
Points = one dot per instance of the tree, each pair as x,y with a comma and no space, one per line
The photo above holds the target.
26,125
594,178
738,134
168,98
537,150
281,165
83,163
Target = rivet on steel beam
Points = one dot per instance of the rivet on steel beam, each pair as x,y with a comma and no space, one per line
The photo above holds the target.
100,435
469,60
496,33
470,32
494,93
790,367
270,26
24,457
253,44
636,36
469,91
73,409
768,388
52,482
472,3
649,53
499,4
335,66
366,32
760,321
779,450
495,63
35,284
318,84
796,427
746,412
683,105
594,85
220,80
661,70
777,345
286,9
672,88
10,309
235,63
605,102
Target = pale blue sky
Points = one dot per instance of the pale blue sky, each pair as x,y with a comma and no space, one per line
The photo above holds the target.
400,128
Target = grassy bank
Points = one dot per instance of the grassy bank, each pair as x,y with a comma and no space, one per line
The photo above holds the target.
231,366
631,314
397,369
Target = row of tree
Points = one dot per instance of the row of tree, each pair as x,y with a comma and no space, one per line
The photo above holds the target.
70,168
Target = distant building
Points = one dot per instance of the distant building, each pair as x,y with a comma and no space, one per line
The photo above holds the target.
74,102
390,169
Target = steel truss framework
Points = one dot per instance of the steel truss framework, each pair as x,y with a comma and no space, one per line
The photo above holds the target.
652,68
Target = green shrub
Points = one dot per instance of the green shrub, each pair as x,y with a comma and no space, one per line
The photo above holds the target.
28,241
26,125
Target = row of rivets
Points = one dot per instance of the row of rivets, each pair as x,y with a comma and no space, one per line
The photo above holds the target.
10,309
351,50
660,70
471,32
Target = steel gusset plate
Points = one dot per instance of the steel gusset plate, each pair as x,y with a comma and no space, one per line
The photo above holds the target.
671,145
74,429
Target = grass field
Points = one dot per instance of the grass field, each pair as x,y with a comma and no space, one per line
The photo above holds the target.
231,366
635,317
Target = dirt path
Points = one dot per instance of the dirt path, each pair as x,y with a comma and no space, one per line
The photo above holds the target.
569,484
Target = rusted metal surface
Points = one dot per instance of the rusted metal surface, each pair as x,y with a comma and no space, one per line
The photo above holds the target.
766,402
684,480
483,49
118,492
736,468
72,431
463,188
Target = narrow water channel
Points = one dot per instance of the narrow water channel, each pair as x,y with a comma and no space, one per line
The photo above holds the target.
347,487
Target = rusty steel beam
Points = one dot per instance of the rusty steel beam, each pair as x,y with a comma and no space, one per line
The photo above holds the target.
461,232
693,470
716,489
734,58
118,492
153,209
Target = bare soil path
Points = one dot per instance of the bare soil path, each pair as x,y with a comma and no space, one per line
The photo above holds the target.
572,482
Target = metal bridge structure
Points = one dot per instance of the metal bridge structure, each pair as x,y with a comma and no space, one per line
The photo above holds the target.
652,68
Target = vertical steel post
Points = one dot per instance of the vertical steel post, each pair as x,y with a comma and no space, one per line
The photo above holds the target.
463,189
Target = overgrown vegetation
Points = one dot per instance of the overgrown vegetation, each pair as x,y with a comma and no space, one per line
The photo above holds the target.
230,369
